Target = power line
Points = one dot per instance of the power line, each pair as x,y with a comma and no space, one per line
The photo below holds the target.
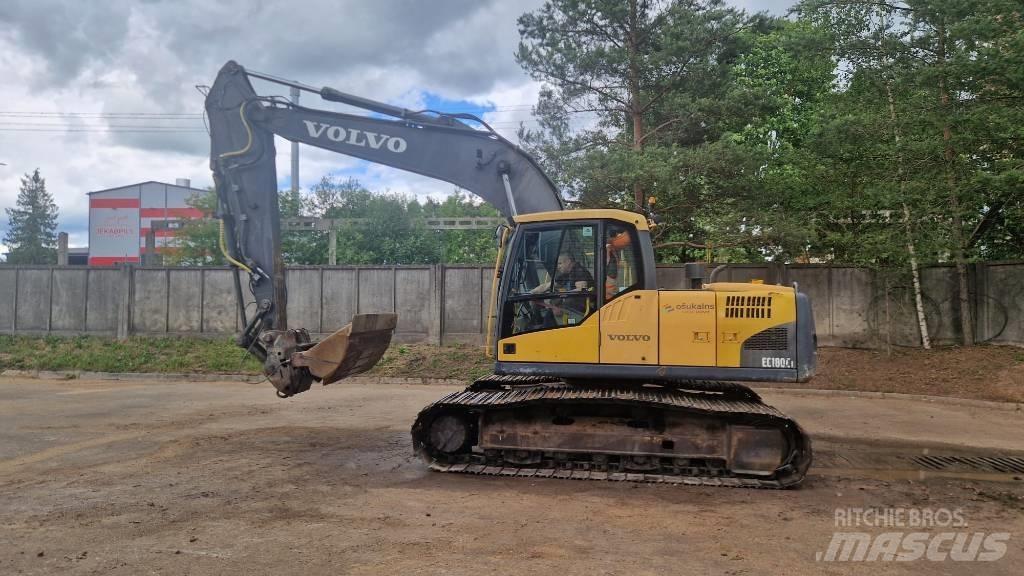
88,122
499,123
145,115
104,130
511,108
143,122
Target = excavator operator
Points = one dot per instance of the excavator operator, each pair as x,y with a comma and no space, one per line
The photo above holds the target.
570,275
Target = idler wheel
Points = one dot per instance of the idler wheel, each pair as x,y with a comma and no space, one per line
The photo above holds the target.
450,434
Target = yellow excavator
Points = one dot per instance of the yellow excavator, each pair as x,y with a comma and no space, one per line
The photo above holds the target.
598,373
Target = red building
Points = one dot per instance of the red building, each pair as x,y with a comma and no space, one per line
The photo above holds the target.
120,218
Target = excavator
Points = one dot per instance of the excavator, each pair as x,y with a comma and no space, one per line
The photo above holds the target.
598,373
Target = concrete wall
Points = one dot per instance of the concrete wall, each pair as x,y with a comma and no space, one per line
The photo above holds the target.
450,303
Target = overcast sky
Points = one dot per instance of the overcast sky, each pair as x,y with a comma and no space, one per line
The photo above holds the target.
70,67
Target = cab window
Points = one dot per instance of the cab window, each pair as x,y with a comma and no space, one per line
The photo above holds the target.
622,261
552,279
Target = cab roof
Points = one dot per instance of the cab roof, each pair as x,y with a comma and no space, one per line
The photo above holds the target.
633,218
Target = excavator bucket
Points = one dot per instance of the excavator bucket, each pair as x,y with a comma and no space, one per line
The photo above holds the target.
352,350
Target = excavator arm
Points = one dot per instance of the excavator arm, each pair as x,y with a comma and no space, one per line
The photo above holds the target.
242,157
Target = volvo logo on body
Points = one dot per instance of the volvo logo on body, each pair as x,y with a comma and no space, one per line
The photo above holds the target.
356,137
630,337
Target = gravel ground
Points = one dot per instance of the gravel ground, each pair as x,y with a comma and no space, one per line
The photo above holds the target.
131,477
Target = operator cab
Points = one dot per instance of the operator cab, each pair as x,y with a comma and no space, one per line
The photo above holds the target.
562,267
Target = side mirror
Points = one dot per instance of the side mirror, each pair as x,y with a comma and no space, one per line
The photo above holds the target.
499,235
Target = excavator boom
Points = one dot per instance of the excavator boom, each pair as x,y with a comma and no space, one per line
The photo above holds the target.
442,146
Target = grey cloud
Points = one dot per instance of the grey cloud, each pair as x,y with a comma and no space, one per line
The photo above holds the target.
185,143
376,48
456,48
69,35
311,40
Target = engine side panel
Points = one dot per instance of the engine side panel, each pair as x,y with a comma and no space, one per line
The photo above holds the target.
687,328
742,315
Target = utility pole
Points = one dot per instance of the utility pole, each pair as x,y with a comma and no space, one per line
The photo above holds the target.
295,149
332,246
62,249
332,234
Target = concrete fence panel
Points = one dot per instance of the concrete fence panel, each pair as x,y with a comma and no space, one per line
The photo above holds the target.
8,298
671,277
304,298
185,290
451,303
149,301
939,287
340,297
895,318
815,282
67,312
1000,300
105,287
744,273
34,299
851,304
462,295
220,311
412,302
376,290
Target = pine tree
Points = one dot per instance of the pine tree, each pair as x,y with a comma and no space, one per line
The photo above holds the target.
32,224
641,66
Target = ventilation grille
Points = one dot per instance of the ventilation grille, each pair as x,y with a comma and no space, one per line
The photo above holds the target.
770,339
1004,465
748,306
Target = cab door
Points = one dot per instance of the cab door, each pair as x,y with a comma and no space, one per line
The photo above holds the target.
549,312
629,316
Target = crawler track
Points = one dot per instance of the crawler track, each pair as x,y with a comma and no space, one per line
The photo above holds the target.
721,435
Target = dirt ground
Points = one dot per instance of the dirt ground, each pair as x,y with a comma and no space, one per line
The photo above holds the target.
222,478
980,372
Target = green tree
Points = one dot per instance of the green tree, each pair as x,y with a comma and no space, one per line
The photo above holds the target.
622,62
940,83
667,98
375,229
300,247
463,246
382,228
32,224
391,228
198,240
